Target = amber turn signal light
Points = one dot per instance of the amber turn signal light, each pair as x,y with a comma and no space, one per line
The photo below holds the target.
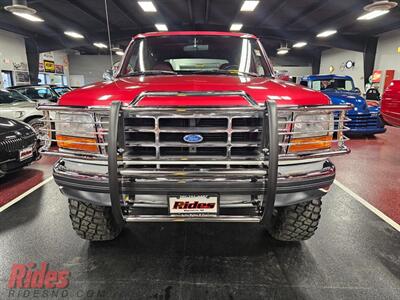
310,143
77,143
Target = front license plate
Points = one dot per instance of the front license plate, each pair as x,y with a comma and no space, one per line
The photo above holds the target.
193,204
25,153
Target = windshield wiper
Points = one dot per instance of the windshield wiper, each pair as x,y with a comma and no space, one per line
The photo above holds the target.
226,72
150,72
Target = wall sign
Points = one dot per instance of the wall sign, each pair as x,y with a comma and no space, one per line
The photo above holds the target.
376,76
22,77
59,69
49,66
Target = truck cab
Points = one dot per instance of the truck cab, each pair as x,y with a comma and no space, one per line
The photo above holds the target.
193,127
365,120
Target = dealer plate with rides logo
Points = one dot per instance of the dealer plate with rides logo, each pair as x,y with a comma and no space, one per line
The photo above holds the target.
193,205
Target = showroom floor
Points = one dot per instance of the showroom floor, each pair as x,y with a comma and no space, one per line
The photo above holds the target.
354,255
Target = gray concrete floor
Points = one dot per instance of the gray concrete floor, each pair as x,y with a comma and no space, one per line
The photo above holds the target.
354,255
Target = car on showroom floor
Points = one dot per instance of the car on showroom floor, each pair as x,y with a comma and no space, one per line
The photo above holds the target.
18,107
42,93
19,145
364,119
391,104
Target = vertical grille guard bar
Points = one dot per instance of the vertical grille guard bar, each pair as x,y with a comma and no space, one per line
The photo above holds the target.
271,143
114,145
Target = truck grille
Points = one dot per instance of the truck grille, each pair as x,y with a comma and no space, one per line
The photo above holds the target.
223,137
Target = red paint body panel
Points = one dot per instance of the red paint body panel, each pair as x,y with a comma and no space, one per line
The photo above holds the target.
391,104
171,33
128,88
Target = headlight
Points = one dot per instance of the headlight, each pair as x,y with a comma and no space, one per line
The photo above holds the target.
311,132
76,131
19,114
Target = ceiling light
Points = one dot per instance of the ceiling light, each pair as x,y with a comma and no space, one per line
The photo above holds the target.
29,17
236,27
100,45
147,6
283,50
380,5
74,35
20,8
161,27
300,45
120,53
372,15
326,33
249,5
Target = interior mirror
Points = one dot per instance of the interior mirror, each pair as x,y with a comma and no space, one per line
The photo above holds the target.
108,75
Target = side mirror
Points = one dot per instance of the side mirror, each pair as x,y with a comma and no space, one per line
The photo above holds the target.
108,75
54,99
357,90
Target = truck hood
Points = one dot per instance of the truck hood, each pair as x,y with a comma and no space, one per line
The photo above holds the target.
342,97
127,89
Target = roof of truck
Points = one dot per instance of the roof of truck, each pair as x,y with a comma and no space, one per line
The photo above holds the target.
326,77
216,33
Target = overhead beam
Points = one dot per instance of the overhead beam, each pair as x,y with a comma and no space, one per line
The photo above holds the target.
90,13
207,11
337,18
124,10
304,14
274,10
190,11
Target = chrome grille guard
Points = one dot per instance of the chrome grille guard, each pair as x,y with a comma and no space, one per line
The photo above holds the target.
275,142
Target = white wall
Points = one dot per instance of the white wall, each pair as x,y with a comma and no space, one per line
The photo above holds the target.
387,55
12,53
91,67
295,71
337,58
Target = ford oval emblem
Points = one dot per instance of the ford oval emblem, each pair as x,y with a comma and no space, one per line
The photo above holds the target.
193,138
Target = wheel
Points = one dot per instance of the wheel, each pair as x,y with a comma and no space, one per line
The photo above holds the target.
37,125
93,222
296,222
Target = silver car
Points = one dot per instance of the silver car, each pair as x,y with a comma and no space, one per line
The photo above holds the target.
14,105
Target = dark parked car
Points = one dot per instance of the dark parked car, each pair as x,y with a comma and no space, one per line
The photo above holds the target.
18,145
41,93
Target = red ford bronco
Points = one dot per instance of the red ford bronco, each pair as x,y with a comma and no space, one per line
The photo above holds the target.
193,127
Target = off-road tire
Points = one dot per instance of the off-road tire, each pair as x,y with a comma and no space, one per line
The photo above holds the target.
93,222
296,222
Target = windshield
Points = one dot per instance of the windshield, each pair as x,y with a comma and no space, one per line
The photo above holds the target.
8,97
37,93
195,54
336,84
62,90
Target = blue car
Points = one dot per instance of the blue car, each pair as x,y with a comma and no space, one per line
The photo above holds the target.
341,90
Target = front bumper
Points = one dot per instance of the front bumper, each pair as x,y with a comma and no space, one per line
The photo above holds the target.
11,162
291,189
